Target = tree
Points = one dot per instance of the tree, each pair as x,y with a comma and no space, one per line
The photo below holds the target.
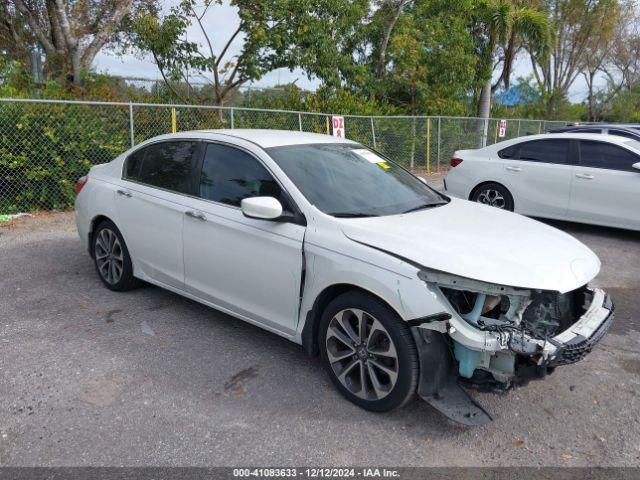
624,57
624,107
391,10
612,56
502,29
417,55
579,26
70,32
270,34
431,60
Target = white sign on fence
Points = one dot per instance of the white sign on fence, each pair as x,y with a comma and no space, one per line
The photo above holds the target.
502,130
338,126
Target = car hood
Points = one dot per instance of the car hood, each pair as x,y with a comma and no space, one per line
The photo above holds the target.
482,243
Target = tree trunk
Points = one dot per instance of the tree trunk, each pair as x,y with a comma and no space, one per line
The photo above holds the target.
379,73
484,111
75,66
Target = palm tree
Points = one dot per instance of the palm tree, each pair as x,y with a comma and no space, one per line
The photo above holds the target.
503,28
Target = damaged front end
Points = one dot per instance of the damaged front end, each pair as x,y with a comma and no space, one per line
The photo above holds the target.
495,337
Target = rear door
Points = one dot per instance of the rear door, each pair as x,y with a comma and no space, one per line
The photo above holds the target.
248,266
157,182
605,188
538,173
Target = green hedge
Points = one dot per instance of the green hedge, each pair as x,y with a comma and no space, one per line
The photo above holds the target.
45,148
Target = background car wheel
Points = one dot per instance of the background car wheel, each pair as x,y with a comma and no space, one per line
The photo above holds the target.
368,352
495,195
112,259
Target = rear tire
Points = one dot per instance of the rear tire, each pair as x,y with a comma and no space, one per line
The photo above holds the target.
368,352
112,259
494,195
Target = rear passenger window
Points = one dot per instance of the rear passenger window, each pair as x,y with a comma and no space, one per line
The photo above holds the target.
546,151
169,165
605,155
133,164
230,174
622,133
509,152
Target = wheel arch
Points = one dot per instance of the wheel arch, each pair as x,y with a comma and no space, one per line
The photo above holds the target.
310,331
95,221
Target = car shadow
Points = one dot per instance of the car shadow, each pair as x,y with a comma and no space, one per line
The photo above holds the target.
585,228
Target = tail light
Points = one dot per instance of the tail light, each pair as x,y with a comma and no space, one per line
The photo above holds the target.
82,181
455,161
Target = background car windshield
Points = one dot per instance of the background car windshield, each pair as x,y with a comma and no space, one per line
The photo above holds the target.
348,180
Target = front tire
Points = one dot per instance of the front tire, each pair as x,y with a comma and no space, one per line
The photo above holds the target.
112,259
368,352
494,195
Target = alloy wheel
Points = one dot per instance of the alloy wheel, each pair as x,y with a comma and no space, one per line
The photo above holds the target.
492,197
362,354
109,256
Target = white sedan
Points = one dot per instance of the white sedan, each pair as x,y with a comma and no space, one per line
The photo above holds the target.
581,177
399,288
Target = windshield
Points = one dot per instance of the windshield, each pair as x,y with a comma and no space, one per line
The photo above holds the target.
349,180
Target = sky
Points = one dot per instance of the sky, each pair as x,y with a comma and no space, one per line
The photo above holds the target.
220,22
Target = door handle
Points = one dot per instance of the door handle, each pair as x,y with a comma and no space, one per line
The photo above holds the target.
584,176
514,169
196,215
124,193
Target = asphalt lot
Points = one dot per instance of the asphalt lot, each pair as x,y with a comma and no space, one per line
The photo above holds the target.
92,377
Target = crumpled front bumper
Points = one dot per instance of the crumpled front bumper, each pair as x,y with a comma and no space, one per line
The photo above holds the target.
573,344
439,383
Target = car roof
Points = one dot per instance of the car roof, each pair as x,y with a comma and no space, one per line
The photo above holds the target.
633,128
262,137
275,138
616,139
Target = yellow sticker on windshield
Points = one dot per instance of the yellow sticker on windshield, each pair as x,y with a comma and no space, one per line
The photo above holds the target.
384,165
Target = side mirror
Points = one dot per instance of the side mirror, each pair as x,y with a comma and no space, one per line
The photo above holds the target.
636,166
265,208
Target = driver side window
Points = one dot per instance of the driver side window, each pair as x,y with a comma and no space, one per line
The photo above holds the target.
230,174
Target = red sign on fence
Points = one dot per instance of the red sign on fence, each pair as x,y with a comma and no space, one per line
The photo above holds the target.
502,130
338,126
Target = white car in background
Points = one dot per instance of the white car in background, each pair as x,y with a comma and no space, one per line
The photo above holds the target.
582,177
399,288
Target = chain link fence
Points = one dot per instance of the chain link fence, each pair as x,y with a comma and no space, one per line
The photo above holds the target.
46,145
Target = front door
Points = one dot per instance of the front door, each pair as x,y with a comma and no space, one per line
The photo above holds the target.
249,267
605,188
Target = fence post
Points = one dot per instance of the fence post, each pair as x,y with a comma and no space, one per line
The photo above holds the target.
438,146
518,134
485,132
231,113
131,130
428,145
373,133
300,121
174,121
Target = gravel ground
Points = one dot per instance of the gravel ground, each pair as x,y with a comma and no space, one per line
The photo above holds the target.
93,377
